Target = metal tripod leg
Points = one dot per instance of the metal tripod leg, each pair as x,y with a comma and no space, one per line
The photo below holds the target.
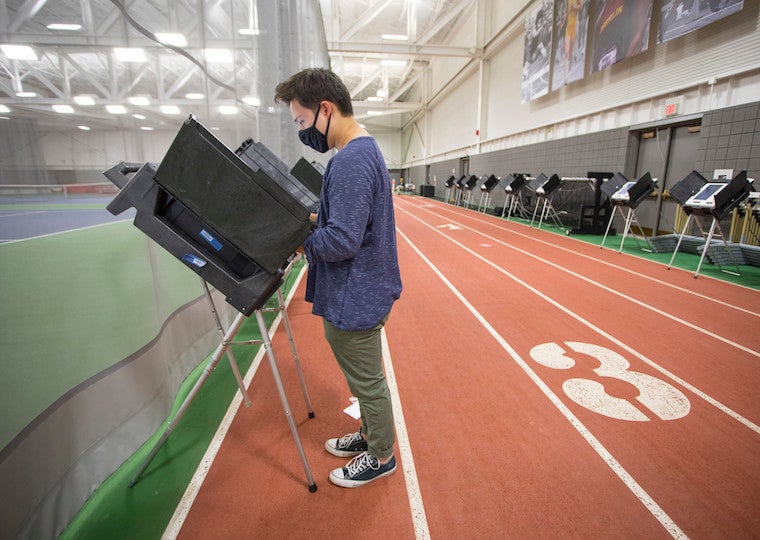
228,350
680,238
713,226
284,398
609,224
210,365
296,360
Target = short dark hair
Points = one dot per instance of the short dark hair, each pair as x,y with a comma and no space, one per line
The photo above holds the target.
312,86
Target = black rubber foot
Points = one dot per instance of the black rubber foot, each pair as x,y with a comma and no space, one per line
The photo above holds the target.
311,415
312,488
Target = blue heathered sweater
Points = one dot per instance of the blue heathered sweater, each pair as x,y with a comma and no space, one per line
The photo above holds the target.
354,276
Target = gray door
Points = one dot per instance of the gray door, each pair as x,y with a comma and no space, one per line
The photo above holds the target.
668,154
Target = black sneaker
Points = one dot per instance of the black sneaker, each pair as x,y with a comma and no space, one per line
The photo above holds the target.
349,445
361,470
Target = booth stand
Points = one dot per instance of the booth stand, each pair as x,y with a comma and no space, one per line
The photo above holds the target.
713,201
485,192
227,340
625,194
450,185
233,218
513,186
544,187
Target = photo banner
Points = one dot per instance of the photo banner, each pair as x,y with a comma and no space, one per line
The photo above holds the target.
571,29
537,54
621,30
679,17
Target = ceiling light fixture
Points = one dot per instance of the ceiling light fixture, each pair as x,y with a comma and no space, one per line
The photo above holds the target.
219,56
26,94
374,98
374,113
395,37
146,128
251,100
249,32
139,116
18,52
4,109
140,101
84,128
228,109
178,40
84,100
393,63
194,96
169,109
130,54
63,109
382,92
64,26
116,109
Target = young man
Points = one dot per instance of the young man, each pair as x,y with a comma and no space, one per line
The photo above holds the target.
353,275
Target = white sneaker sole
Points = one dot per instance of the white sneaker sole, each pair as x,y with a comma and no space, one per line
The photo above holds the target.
336,477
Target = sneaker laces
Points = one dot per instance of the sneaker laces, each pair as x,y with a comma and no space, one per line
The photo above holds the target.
361,463
348,440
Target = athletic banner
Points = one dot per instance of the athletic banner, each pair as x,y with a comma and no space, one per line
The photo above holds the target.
679,17
571,29
621,30
537,54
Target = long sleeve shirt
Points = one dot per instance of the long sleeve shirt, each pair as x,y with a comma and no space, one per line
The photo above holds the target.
354,276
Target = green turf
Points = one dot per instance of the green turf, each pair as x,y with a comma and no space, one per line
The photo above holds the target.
750,275
92,297
116,511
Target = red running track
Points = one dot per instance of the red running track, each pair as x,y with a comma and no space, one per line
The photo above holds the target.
544,388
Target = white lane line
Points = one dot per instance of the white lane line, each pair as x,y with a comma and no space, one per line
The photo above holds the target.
712,401
613,291
64,232
419,519
598,447
612,265
194,487
7,213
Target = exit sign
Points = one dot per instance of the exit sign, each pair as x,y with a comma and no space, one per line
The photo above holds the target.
673,106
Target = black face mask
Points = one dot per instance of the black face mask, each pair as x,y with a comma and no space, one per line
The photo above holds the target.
312,137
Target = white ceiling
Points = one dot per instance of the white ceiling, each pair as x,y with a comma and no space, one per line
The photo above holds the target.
82,62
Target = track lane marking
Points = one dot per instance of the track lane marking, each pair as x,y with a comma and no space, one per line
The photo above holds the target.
595,444
611,290
712,401
612,265
416,506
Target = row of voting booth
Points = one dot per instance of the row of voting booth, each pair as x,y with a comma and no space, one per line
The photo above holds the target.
235,218
704,203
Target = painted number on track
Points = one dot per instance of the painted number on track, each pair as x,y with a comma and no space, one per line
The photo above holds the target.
663,400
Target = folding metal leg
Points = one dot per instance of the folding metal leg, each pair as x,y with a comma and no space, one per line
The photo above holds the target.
715,224
210,365
283,398
224,347
609,224
680,239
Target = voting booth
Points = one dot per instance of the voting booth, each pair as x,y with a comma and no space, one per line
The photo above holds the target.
233,218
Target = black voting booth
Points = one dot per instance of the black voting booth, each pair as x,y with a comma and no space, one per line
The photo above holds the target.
513,185
623,193
701,199
543,187
450,184
486,187
233,218
467,183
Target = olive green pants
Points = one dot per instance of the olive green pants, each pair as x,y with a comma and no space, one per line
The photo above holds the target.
359,355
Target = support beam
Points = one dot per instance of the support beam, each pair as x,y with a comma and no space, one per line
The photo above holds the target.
26,12
365,18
